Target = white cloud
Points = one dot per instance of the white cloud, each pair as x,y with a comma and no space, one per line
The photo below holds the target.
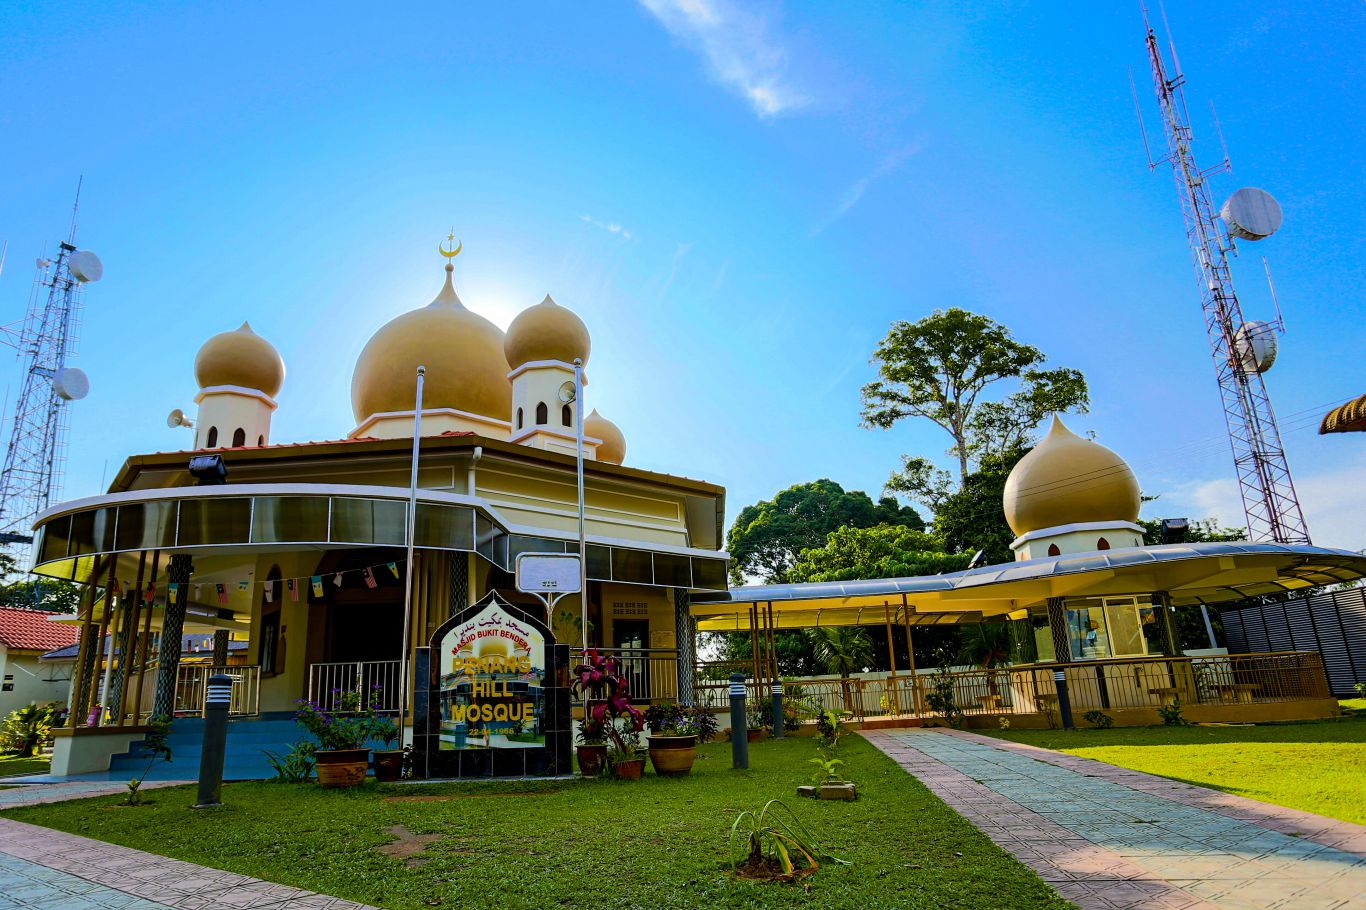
856,191
739,47
610,227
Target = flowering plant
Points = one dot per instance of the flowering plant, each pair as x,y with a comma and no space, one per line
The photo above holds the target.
348,725
600,681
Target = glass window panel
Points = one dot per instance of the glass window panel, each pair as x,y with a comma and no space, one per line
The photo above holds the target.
376,521
1086,631
1126,635
500,551
709,573
599,562
1150,621
1043,638
484,531
146,526
520,543
632,565
289,518
444,527
674,571
55,535
210,521
92,531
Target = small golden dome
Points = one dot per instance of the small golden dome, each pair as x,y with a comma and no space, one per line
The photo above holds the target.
240,358
613,447
546,331
1067,479
463,353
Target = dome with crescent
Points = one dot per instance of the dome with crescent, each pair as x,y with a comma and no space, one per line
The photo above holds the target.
612,449
462,351
546,331
1066,479
240,358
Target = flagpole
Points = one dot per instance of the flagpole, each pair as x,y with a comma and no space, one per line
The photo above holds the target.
408,573
583,549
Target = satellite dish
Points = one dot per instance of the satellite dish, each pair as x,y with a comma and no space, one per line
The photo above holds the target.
71,384
1254,345
177,418
1251,214
567,392
86,266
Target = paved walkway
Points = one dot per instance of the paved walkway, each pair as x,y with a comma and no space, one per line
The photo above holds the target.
42,869
1106,837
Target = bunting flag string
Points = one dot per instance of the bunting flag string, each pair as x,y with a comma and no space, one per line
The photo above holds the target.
317,581
166,592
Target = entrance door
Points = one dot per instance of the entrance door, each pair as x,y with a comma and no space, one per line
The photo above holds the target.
629,637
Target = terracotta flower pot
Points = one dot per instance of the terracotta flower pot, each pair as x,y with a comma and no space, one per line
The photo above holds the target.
673,756
754,735
342,767
592,759
631,769
388,765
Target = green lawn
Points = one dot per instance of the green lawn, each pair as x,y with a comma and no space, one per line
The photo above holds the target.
1318,767
654,843
12,765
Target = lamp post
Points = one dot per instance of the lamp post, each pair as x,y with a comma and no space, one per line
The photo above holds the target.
404,663
583,548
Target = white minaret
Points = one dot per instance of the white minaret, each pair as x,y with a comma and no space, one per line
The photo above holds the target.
239,375
541,346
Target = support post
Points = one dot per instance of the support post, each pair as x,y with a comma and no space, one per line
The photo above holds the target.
220,647
739,738
215,745
172,632
685,640
146,643
1062,653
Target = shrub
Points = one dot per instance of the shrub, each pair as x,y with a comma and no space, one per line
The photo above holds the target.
941,700
1171,714
26,728
295,766
1098,719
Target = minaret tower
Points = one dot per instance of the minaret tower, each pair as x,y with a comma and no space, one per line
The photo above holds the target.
239,375
541,346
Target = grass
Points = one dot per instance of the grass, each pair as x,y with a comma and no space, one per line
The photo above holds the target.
658,842
13,765
1316,766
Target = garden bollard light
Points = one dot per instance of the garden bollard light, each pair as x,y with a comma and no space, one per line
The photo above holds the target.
216,701
777,710
739,739
1064,703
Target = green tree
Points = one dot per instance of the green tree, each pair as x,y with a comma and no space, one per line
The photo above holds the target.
769,536
882,552
842,649
1205,530
940,366
25,592
973,518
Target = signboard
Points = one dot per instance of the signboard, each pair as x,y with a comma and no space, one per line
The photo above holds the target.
548,573
491,672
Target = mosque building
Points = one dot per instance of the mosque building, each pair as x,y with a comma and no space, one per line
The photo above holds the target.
299,550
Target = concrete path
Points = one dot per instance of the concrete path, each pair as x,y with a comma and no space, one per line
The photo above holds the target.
1105,837
42,869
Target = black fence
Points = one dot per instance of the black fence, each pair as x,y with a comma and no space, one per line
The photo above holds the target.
1332,623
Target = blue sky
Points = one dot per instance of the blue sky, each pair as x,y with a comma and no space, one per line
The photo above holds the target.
737,199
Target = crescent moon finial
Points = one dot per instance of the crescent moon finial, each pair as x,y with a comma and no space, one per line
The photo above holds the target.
450,254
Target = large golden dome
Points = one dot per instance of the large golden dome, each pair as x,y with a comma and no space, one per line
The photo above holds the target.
1067,479
613,447
240,358
463,353
546,331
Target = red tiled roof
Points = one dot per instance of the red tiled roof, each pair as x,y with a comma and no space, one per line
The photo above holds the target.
30,630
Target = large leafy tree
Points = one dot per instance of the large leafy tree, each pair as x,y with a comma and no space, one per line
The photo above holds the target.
26,592
881,552
940,367
769,536
973,518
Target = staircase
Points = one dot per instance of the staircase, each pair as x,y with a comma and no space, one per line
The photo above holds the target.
248,740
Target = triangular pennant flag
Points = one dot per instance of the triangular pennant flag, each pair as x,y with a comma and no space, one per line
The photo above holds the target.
243,585
196,590
115,587
150,593
171,590
370,581
337,580
222,595
392,567
270,591
317,585
293,589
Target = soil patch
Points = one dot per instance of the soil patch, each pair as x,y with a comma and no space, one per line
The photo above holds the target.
407,846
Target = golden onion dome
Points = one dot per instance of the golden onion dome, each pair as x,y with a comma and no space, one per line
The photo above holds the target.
546,331
463,353
240,358
1066,479
613,447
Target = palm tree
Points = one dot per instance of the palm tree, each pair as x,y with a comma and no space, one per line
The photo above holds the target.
843,650
986,645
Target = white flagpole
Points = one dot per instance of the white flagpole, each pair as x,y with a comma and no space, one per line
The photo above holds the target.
404,663
583,549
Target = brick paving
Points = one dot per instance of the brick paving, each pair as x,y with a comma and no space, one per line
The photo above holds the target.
1107,838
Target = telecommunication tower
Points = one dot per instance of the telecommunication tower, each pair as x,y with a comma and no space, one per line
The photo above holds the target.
1243,351
44,342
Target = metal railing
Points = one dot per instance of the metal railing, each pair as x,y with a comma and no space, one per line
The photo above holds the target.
1148,682
651,673
192,686
366,679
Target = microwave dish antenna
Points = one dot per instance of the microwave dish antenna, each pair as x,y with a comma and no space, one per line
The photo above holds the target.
1251,214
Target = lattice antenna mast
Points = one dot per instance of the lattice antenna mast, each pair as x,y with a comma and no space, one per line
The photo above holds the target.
34,458
1264,481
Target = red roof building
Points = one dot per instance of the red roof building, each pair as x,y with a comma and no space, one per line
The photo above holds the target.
31,630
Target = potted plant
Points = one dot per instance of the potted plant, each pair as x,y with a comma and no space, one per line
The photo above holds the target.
592,747
607,696
388,761
342,756
673,738
757,721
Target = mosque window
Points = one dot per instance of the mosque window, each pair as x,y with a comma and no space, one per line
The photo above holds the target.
212,440
1102,544
239,438
542,414
260,440
521,419
1053,550
567,416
